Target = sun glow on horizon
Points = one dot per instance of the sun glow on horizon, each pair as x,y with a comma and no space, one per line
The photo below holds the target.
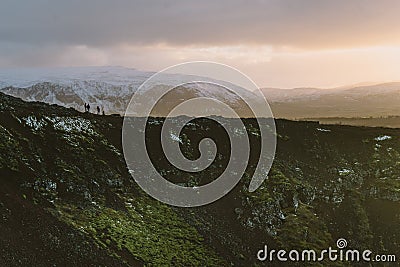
278,67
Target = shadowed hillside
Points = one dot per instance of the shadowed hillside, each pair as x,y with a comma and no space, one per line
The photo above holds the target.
67,196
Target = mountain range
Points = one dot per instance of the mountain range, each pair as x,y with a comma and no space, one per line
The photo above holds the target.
110,88
355,101
113,87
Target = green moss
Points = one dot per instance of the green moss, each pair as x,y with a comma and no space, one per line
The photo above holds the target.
150,231
9,146
304,230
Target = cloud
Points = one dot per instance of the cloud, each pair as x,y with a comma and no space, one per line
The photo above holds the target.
280,43
302,24
28,55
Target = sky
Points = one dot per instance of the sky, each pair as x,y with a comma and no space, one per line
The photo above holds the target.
277,43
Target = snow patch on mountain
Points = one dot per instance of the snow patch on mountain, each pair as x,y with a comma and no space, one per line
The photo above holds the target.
110,88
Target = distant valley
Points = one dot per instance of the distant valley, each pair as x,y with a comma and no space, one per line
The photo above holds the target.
380,100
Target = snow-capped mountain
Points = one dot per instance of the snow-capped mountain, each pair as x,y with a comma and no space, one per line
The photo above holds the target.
113,87
114,75
109,87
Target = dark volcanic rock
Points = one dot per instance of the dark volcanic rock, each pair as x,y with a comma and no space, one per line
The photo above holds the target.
67,197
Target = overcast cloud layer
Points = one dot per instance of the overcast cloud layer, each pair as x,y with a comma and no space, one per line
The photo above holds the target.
50,32
274,22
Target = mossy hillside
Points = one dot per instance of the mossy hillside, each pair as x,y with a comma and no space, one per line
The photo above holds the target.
68,165
150,231
321,187
334,180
